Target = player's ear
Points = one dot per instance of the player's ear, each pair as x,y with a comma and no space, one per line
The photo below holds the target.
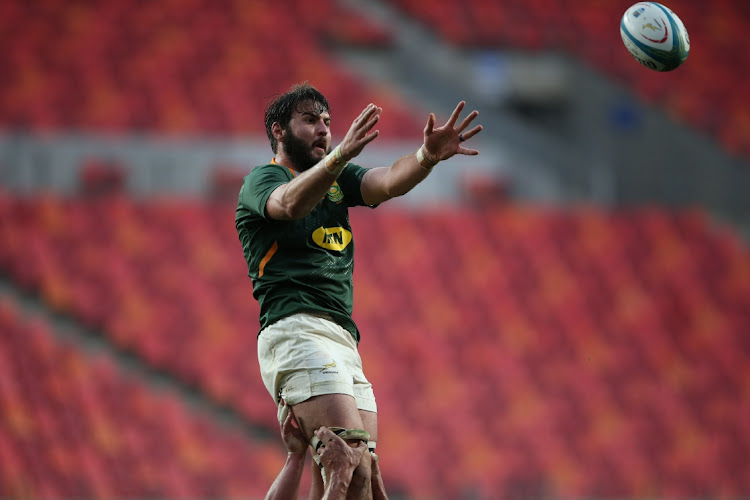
277,130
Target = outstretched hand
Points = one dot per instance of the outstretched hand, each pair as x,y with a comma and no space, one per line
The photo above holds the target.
360,134
443,142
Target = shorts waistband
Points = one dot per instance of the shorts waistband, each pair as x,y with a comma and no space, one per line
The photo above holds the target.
320,315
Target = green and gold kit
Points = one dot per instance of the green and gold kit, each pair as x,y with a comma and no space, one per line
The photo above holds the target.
302,265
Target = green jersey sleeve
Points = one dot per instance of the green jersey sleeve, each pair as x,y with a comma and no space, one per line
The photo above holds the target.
258,186
350,181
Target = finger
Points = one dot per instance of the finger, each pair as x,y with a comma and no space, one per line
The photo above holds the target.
467,152
295,423
466,121
368,112
361,128
361,448
290,409
471,133
362,116
430,124
324,434
369,138
287,428
371,123
456,112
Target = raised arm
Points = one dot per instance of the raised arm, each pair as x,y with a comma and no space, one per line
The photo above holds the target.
287,483
383,183
378,488
297,198
339,461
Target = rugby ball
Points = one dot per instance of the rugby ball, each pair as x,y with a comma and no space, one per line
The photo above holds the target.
655,36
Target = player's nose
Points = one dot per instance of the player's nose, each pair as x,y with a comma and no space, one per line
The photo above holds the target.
321,128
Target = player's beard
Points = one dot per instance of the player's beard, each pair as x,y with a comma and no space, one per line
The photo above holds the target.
300,153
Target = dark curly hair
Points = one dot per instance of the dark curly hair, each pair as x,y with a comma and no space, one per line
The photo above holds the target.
281,107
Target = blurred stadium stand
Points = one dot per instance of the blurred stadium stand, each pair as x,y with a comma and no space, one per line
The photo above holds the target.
711,101
77,426
569,341
174,67
561,317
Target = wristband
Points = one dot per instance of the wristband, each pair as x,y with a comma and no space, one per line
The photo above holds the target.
426,162
334,163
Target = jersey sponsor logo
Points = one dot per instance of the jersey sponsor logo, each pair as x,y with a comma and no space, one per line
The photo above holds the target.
335,194
332,238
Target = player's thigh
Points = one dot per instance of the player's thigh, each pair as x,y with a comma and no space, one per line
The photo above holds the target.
331,410
370,423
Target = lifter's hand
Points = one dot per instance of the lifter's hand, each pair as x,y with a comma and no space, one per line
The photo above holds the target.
359,134
291,434
443,142
336,455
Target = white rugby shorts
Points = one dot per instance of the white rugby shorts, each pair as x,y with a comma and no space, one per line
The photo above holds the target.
304,355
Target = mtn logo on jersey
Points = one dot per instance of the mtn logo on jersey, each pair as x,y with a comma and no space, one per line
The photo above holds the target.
335,194
332,238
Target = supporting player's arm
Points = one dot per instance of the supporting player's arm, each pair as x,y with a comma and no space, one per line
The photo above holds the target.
287,482
378,488
339,460
383,183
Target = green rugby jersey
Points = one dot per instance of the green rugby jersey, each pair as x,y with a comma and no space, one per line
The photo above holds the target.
302,265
